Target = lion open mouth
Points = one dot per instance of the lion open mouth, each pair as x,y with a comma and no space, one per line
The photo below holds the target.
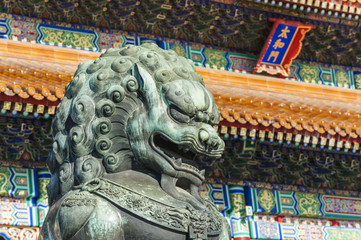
181,155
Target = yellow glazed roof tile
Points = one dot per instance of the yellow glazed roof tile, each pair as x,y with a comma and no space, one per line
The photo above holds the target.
41,72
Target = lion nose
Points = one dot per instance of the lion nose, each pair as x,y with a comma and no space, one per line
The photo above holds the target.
209,139
203,135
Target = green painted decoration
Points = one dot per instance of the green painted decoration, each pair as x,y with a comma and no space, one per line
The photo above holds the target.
266,200
5,185
67,37
308,204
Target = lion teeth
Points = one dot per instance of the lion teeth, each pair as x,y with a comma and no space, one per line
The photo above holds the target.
178,161
190,167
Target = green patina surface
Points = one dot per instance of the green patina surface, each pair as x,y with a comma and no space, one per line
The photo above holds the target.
132,117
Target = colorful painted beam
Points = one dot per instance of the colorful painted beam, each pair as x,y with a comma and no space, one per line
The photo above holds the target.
23,199
15,214
218,194
302,204
284,215
19,233
42,200
231,203
18,183
267,227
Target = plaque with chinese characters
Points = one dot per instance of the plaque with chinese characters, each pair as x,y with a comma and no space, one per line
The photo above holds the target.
282,46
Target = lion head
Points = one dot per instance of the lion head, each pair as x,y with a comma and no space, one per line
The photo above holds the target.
139,108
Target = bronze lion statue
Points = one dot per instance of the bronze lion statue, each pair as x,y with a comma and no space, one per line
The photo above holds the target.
126,138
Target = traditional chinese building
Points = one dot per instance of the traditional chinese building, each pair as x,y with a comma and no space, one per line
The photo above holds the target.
285,74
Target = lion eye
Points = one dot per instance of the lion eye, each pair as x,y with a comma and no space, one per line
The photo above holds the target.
179,116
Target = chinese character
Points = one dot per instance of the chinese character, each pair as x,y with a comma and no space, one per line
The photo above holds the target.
273,54
278,44
284,32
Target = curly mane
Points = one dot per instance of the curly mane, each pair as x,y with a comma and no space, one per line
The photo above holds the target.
90,127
